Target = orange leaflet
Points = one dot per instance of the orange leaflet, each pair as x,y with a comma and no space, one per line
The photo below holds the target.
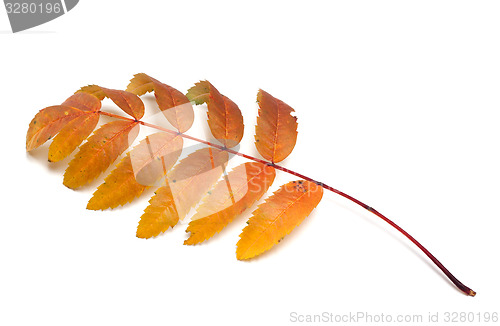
160,215
174,105
49,121
93,90
277,217
276,130
143,166
224,116
83,102
128,102
72,135
100,150
244,185
188,182
140,84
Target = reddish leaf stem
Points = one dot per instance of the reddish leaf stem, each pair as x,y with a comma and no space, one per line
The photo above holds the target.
452,278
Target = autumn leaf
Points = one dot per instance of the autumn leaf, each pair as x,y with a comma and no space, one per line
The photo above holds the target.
194,177
277,217
128,102
142,167
244,185
49,121
140,84
72,135
95,90
200,92
224,116
276,130
159,216
100,150
188,182
83,102
174,105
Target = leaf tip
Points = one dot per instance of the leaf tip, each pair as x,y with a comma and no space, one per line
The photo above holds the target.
260,93
92,206
243,255
194,238
142,235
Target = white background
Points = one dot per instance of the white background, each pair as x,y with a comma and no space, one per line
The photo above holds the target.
397,103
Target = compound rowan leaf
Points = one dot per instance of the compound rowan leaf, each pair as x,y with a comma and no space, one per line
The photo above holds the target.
100,150
174,105
224,116
187,183
276,130
193,177
244,185
277,217
142,167
49,121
